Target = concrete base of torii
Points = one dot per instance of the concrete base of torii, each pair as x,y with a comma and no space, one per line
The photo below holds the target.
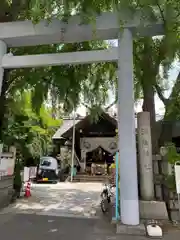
149,211
155,210
138,230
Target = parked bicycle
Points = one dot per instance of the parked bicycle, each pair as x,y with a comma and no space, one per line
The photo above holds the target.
106,197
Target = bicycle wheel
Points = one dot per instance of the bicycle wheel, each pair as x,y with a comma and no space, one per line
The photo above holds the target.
104,205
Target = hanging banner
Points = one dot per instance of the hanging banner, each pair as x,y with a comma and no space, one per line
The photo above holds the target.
177,176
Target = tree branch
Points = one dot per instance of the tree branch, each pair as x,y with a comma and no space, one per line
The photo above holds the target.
112,104
174,92
173,103
160,94
175,89
161,11
85,105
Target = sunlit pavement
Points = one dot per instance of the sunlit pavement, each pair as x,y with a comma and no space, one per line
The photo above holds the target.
62,199
61,211
55,211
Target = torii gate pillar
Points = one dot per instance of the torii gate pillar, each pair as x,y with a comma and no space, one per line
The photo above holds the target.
129,200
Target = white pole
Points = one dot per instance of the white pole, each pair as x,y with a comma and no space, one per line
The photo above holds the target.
126,131
73,143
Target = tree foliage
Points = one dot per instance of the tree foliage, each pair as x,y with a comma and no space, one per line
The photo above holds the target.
165,10
30,132
71,85
68,84
80,82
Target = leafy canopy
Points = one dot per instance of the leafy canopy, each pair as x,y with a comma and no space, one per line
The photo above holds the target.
168,11
29,131
70,85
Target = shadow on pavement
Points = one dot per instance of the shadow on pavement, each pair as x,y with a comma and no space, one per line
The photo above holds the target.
23,226
59,201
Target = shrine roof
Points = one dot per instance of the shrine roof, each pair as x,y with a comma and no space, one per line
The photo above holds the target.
68,124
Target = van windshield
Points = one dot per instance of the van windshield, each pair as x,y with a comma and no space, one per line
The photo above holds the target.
46,163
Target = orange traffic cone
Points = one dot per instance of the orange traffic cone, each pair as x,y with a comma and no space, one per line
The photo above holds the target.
28,190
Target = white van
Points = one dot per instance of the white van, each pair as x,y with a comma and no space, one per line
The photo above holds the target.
48,170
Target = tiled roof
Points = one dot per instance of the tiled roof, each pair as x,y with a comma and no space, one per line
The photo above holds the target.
67,124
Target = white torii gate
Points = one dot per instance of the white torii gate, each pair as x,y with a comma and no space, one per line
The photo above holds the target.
24,33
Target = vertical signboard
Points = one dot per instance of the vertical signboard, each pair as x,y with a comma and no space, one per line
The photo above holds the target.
177,176
145,156
177,180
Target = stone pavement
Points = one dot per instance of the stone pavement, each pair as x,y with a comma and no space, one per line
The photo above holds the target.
62,199
62,211
36,227
30,226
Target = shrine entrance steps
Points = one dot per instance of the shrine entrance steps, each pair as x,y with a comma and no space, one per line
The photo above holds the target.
88,178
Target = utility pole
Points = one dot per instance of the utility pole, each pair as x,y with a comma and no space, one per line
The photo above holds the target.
73,143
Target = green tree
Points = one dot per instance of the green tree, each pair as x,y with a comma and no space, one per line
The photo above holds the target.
172,103
152,81
70,84
167,11
30,132
154,54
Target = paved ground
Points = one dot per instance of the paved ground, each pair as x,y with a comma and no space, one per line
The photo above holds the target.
60,212
62,199
36,227
31,226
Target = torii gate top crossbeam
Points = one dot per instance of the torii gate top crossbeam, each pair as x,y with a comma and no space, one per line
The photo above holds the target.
24,33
